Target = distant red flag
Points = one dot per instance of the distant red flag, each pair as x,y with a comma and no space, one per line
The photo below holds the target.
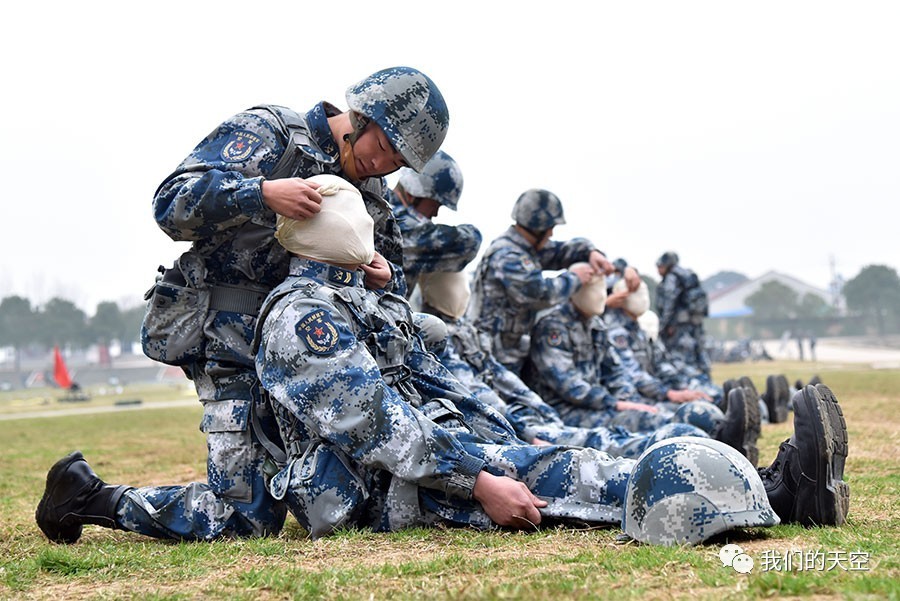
60,373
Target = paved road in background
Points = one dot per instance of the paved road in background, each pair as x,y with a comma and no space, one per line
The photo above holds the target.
103,409
836,351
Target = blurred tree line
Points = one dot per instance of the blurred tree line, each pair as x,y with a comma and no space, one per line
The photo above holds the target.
61,322
873,306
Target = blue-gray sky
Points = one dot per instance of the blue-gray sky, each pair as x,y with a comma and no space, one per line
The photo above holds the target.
745,136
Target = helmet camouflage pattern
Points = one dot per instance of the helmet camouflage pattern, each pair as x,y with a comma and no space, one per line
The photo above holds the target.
702,414
409,109
440,180
685,490
538,210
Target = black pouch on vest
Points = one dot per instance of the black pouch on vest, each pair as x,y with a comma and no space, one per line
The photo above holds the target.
177,305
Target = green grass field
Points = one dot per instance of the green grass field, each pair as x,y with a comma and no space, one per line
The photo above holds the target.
163,446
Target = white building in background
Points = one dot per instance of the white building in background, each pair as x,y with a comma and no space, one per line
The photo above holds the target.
731,302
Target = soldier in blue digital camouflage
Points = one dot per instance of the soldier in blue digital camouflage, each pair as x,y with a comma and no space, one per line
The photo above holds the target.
379,434
224,198
416,200
510,287
575,369
640,331
467,355
682,305
623,308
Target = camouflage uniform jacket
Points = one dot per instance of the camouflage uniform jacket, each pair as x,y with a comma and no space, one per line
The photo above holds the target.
214,199
669,302
429,246
624,333
335,359
510,288
571,364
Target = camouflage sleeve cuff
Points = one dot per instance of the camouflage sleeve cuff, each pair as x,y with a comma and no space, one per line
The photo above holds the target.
609,401
601,399
248,196
576,283
462,482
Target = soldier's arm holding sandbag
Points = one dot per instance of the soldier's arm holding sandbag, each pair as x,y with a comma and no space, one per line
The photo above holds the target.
525,284
311,362
557,254
439,247
220,184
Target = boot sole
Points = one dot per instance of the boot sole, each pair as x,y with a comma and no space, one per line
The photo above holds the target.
782,398
752,427
776,398
53,530
840,447
831,496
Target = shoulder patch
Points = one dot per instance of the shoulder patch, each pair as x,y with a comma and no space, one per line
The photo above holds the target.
620,340
239,146
527,263
318,331
554,337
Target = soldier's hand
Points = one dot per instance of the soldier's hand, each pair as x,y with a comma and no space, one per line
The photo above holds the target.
540,442
600,263
684,396
507,502
626,405
584,272
292,197
632,278
378,272
616,300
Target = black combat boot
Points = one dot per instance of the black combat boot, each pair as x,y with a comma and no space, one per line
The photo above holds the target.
727,386
777,397
75,496
746,382
805,484
741,426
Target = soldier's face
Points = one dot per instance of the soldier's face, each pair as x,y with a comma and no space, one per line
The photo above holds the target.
542,242
374,154
428,207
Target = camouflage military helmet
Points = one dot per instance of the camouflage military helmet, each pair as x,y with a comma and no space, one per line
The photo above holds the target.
685,490
408,107
440,180
667,259
702,414
538,210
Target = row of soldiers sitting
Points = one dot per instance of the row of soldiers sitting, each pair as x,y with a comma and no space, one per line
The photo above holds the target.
389,418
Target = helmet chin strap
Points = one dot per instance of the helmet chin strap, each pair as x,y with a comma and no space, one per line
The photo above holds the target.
348,160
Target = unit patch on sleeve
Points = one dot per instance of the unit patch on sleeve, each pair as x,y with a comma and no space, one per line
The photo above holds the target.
318,331
239,146
554,338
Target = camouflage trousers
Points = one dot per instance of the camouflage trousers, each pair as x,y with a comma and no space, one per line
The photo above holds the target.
616,440
701,414
325,490
234,502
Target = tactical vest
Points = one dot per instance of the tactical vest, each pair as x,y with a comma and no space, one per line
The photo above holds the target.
473,346
693,297
388,334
